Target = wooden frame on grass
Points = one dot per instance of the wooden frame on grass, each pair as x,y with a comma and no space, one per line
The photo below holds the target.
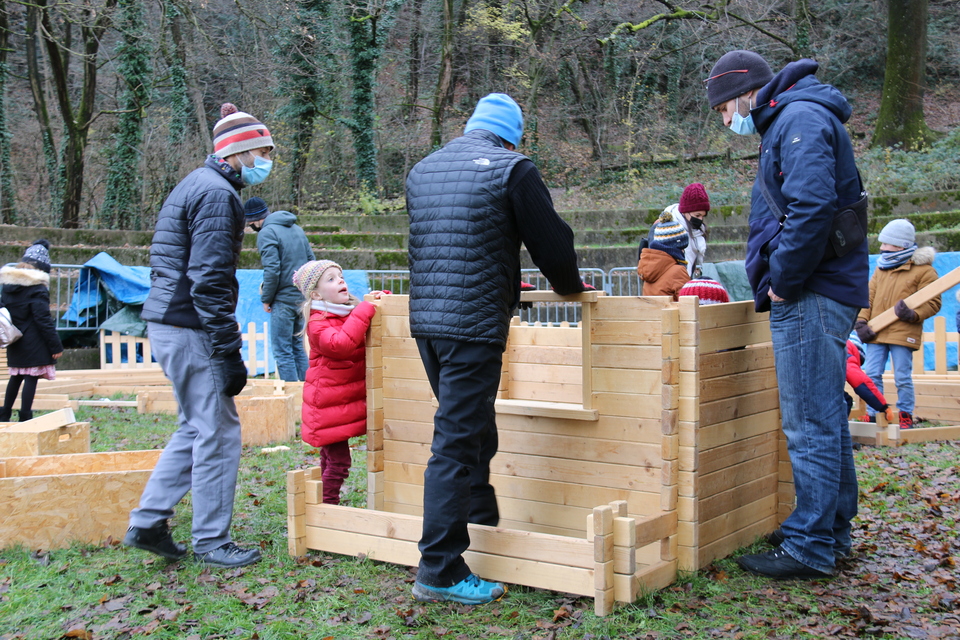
644,441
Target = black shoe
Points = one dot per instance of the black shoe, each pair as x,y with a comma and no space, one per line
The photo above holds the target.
155,540
776,538
780,565
26,415
228,555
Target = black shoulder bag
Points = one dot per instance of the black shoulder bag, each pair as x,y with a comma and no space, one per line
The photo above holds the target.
849,227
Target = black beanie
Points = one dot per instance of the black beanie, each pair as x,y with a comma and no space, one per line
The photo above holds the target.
37,255
254,210
736,73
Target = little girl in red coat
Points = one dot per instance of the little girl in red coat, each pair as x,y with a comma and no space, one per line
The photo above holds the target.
334,393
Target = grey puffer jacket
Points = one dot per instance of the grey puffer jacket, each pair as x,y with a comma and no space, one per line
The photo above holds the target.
283,248
194,256
464,242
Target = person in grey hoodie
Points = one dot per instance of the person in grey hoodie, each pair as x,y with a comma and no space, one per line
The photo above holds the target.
283,248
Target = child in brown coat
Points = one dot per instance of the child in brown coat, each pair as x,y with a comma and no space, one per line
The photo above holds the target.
902,269
663,266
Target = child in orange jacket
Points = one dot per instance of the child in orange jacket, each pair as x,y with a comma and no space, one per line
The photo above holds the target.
663,265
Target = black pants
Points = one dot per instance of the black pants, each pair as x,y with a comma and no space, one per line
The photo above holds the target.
26,402
456,485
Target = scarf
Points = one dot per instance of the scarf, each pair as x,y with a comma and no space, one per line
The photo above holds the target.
673,252
893,259
332,308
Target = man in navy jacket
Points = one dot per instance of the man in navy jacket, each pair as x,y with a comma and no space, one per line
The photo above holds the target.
806,176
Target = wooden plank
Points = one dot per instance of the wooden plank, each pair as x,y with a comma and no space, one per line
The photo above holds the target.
730,409
544,355
736,475
627,357
731,521
914,300
525,335
629,405
640,308
734,337
537,408
738,496
725,363
736,450
737,384
495,540
541,575
546,392
626,332
558,374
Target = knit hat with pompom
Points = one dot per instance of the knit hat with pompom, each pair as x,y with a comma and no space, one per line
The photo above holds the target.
306,277
709,291
237,132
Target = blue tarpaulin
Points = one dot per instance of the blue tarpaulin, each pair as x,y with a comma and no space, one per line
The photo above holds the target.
122,290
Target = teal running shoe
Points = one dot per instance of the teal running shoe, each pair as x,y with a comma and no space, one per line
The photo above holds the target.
470,590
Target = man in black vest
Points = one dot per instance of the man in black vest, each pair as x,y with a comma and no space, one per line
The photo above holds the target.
471,204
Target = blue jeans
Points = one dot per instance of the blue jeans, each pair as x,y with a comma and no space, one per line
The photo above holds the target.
876,362
204,452
809,347
286,321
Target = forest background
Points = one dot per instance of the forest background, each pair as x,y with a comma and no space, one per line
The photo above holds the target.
106,104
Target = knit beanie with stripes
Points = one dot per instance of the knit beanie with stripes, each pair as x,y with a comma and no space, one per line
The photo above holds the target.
237,132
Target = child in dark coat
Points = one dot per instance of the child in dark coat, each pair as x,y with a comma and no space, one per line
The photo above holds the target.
26,295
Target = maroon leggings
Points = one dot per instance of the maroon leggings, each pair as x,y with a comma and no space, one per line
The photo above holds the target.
335,464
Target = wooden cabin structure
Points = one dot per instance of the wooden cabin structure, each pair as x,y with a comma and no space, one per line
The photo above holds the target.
642,442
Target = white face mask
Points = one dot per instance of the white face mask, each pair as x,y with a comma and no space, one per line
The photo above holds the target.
743,126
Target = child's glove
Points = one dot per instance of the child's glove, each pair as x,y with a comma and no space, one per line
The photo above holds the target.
889,413
588,287
234,374
864,332
905,313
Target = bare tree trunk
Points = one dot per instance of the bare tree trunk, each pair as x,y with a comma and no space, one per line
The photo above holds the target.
901,120
416,62
8,210
35,76
76,121
445,77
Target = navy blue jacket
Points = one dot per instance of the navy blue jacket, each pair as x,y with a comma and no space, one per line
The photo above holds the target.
807,162
194,256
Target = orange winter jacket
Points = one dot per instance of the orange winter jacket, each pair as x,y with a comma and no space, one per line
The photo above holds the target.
661,273
889,287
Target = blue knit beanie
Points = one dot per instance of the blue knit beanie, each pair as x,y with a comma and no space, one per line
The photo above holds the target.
499,114
254,210
669,234
899,233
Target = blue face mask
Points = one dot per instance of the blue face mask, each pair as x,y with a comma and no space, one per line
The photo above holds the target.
258,172
740,125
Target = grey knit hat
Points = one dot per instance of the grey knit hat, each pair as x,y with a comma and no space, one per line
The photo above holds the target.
734,74
899,233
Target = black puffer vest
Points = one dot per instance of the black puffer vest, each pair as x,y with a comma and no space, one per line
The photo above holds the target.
464,243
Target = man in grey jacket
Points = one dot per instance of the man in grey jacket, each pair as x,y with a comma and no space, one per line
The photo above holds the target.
283,248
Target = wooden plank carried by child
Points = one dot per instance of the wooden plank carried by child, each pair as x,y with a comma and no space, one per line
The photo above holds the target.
914,300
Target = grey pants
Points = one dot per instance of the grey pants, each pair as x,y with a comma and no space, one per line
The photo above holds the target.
204,452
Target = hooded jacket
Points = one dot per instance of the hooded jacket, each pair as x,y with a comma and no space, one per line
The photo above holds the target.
283,248
887,287
194,256
662,275
26,295
335,391
807,164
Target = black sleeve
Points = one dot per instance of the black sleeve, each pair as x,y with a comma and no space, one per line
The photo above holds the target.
546,235
47,327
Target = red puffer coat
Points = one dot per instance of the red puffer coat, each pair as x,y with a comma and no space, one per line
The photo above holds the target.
335,392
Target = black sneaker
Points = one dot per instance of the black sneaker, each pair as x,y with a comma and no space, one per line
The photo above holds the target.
155,540
228,555
780,565
776,538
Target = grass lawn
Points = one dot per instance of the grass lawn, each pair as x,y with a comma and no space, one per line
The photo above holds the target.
902,581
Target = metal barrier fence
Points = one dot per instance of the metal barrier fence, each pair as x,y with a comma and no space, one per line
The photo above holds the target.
66,283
